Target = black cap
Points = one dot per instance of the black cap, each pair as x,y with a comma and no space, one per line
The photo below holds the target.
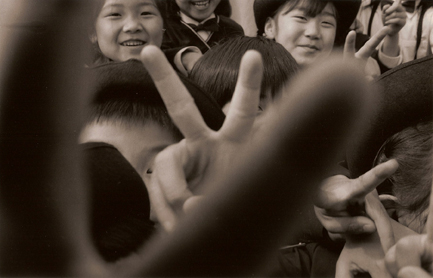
346,10
130,79
404,99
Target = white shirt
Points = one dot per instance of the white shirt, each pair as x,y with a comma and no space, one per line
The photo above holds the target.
408,34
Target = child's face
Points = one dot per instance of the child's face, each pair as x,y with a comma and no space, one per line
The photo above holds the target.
138,143
198,9
124,27
307,38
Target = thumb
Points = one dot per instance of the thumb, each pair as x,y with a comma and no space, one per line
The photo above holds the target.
349,45
381,219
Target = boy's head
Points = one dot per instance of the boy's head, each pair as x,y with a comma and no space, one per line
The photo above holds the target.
217,71
411,183
128,113
124,27
308,29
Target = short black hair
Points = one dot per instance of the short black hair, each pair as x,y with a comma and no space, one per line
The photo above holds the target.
411,183
124,91
217,71
129,98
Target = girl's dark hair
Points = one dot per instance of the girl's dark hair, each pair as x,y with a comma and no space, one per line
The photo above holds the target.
312,8
217,71
411,183
171,9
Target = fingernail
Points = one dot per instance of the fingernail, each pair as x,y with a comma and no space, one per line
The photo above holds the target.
368,228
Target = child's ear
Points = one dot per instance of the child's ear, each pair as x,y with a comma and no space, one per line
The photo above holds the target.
93,38
390,203
270,28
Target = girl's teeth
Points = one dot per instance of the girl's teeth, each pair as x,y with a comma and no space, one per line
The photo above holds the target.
132,43
201,4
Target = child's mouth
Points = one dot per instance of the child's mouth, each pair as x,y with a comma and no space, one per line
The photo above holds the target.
310,48
133,43
201,4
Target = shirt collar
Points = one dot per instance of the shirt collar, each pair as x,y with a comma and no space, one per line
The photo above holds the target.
188,19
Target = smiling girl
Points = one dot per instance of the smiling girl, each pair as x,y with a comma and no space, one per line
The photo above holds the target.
201,23
310,29
123,27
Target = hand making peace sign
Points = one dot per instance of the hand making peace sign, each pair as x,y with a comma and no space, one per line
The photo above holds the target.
197,152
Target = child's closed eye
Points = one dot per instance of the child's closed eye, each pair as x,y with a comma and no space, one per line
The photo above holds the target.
113,15
148,13
301,18
328,24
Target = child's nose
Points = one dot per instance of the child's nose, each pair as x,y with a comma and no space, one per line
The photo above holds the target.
132,25
312,30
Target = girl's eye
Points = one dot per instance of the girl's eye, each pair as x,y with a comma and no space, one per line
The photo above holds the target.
303,18
114,15
328,24
146,13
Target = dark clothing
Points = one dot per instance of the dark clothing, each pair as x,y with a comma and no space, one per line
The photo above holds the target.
310,260
314,254
120,205
180,34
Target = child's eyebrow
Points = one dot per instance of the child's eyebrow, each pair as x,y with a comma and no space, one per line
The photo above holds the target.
112,5
304,10
329,14
119,5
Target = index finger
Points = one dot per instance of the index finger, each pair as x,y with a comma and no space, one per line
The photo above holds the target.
177,99
370,180
381,219
371,45
245,103
342,269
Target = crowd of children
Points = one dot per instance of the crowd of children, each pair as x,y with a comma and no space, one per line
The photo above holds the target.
208,153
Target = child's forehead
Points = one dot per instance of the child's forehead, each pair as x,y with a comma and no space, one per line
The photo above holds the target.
309,7
124,2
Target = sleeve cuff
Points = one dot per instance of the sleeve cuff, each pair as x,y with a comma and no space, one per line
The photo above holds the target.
178,58
388,61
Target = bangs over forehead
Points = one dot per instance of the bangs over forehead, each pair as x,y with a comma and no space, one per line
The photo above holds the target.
99,4
311,7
